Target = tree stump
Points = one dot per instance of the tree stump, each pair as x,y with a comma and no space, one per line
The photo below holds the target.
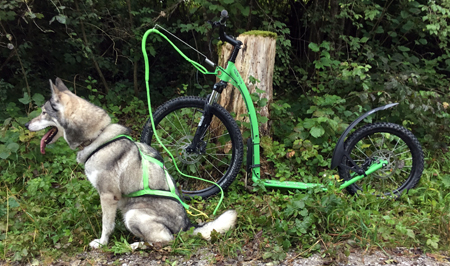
257,59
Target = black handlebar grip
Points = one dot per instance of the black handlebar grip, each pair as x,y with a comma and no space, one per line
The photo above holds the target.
223,16
224,13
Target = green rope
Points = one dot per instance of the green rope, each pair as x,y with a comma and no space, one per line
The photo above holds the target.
198,66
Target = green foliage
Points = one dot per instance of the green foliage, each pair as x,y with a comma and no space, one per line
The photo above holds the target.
334,61
120,247
301,219
47,207
366,52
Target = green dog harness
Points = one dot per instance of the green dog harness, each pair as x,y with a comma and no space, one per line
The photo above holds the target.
145,175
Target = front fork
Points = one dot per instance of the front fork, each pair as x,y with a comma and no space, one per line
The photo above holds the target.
198,145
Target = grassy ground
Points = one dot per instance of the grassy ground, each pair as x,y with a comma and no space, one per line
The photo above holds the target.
48,208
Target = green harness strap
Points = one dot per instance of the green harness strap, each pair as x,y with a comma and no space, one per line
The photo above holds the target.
147,191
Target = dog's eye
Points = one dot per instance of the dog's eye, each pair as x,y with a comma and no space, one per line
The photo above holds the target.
44,112
53,107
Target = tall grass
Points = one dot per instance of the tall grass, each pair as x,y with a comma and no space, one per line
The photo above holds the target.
47,208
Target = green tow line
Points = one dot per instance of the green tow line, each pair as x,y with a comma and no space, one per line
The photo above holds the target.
203,70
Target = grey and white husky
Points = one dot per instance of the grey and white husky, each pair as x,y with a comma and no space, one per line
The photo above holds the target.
115,169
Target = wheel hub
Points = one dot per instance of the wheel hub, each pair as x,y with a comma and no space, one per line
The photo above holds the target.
183,155
391,167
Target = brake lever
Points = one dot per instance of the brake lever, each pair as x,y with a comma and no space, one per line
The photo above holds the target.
215,24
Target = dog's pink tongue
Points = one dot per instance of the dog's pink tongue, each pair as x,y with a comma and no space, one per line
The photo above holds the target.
43,144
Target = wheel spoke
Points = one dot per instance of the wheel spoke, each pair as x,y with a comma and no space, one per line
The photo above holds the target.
210,176
362,152
214,166
217,137
181,124
373,143
216,147
217,159
398,154
393,181
398,140
166,133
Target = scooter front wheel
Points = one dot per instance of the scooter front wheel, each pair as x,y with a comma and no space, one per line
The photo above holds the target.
219,154
383,141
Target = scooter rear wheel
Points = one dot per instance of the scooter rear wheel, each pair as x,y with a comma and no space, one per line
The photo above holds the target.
386,141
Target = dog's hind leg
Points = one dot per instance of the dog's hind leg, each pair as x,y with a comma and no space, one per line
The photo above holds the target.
146,227
109,208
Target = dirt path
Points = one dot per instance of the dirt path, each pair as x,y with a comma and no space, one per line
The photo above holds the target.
399,256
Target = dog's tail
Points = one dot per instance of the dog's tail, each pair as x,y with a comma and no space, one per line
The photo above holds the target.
222,224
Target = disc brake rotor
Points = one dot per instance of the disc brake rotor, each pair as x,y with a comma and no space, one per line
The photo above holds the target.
183,155
392,165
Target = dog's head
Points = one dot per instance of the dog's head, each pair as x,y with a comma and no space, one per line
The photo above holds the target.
70,116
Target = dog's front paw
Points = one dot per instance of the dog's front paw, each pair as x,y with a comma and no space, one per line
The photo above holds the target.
96,243
80,157
140,245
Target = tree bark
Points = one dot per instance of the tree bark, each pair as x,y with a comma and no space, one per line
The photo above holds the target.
257,59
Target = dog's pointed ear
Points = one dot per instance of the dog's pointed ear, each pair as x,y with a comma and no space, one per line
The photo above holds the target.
57,89
60,85
54,90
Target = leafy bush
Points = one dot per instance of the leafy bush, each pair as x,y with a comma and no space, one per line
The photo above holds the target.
335,60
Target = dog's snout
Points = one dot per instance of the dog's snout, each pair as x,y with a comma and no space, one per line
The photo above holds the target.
27,124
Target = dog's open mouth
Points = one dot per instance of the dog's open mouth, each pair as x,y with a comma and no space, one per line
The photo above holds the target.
47,138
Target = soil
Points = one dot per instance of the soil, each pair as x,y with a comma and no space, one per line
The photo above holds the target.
398,256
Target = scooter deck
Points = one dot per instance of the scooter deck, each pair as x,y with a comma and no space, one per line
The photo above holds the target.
290,184
300,185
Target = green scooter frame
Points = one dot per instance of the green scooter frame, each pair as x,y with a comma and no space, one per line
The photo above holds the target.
231,75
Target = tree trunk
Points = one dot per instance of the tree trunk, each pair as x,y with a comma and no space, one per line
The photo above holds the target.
257,59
